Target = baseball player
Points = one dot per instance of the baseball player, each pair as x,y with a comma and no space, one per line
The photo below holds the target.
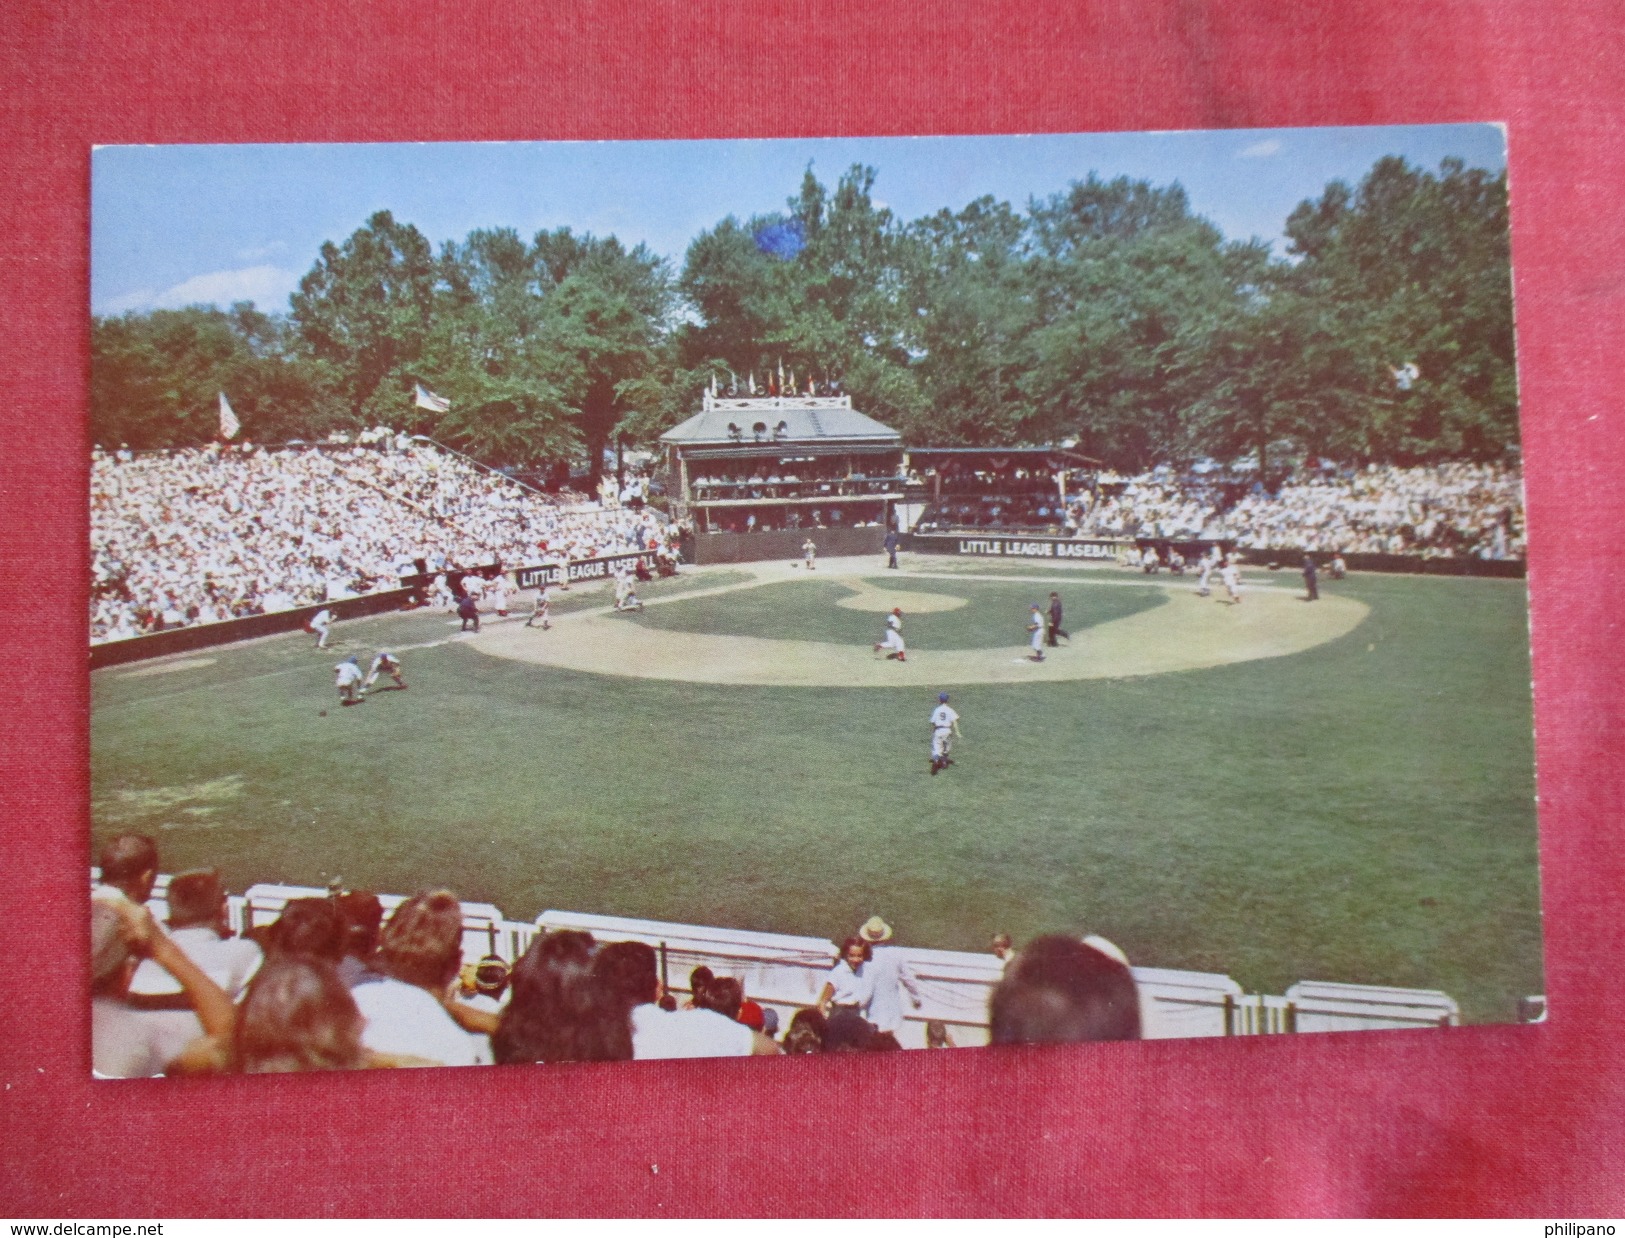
894,637
385,663
1035,631
321,623
538,616
809,552
499,594
1230,574
348,680
1210,561
944,728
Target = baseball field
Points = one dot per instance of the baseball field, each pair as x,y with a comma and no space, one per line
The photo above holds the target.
1278,790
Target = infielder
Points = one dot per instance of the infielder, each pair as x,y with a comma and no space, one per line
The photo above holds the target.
944,728
1210,561
499,594
894,637
321,623
1231,575
809,551
348,680
538,615
385,663
1035,630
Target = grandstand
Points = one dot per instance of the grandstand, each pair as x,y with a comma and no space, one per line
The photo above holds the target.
207,535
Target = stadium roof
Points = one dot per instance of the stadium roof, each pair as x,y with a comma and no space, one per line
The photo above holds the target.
779,419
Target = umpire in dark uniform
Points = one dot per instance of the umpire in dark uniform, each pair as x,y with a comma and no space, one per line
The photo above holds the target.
891,547
1311,578
1055,628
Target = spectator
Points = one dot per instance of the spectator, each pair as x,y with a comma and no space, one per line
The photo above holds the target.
806,1033
361,915
129,1043
888,978
129,865
849,986
1062,990
198,926
703,1029
298,1015
560,1009
419,954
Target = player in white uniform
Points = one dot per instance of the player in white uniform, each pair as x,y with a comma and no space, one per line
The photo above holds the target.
538,616
944,727
321,623
499,593
809,551
1231,575
894,637
1035,629
348,680
385,663
1210,561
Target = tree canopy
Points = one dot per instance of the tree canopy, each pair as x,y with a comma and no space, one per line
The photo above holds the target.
1108,314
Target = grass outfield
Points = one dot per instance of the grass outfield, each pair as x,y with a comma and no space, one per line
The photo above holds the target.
1362,811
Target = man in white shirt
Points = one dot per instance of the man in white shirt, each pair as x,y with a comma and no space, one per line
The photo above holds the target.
197,924
628,967
420,952
944,727
889,977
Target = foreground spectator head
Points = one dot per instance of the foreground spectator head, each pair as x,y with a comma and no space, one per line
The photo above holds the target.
196,897
849,1032
724,995
422,943
1062,991
560,1010
298,1015
806,1034
629,968
697,980
1002,947
362,916
130,863
309,927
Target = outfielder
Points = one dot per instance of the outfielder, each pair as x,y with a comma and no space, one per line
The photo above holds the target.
944,728
1035,630
538,615
1231,575
894,637
809,551
348,680
385,663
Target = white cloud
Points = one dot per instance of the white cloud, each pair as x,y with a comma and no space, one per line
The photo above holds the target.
1260,150
257,252
267,286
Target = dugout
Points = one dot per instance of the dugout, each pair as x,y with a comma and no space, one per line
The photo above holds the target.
757,476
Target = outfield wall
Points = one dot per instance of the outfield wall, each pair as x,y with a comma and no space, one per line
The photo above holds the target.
1103,550
785,544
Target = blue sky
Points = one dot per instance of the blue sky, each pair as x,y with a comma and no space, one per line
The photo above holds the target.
181,225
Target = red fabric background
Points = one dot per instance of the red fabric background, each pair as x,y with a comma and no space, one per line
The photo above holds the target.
1481,1120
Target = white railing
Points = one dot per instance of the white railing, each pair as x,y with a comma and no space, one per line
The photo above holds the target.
787,973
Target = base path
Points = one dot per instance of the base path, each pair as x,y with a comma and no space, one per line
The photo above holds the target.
1187,633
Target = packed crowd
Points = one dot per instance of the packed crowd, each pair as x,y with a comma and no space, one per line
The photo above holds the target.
333,985
204,535
1455,510
1438,511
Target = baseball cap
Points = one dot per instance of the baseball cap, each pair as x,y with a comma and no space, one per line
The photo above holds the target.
942,696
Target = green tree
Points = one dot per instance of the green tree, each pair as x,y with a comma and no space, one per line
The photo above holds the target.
365,309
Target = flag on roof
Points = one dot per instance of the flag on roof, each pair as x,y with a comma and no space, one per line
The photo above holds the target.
229,425
429,400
